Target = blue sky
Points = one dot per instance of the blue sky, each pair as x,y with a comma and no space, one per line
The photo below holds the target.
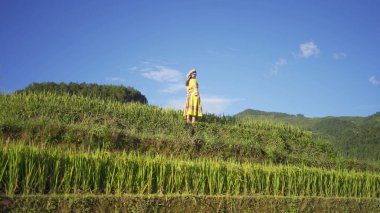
317,58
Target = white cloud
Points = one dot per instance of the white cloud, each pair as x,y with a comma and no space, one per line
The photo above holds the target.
339,55
171,79
174,87
117,79
161,74
374,81
217,105
308,49
276,67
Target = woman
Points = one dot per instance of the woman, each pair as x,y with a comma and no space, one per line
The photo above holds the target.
193,107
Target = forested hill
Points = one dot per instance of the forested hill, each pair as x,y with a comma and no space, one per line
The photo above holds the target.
354,137
108,92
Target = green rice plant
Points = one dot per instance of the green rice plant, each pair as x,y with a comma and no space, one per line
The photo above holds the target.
30,169
121,176
42,172
3,167
68,175
12,174
56,178
29,175
111,172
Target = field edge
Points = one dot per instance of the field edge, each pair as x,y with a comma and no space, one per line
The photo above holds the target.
184,203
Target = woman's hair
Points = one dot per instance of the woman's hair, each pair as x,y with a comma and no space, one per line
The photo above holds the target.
187,81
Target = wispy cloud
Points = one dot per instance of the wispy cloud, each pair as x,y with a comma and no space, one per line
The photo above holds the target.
161,74
134,68
174,87
171,79
374,81
308,49
339,55
276,66
116,79
216,104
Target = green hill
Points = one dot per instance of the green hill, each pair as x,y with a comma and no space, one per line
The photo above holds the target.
89,122
85,154
353,137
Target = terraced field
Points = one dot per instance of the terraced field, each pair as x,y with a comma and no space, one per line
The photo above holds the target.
72,153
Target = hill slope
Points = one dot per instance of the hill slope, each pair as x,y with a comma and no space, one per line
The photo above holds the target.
77,120
54,145
353,137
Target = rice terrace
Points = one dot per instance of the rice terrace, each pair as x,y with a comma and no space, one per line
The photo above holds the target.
68,152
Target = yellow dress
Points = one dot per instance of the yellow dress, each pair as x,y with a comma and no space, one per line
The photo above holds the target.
193,105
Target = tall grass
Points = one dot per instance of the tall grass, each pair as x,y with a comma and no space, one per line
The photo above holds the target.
48,117
26,169
134,117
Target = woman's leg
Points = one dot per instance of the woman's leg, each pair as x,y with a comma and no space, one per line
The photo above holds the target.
194,119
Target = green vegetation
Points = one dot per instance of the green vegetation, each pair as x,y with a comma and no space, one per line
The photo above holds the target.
352,137
107,92
29,169
90,148
83,121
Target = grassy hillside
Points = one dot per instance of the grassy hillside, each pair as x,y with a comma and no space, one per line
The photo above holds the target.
352,137
81,121
78,146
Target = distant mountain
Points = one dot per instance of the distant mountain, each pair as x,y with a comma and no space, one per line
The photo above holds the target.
354,137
